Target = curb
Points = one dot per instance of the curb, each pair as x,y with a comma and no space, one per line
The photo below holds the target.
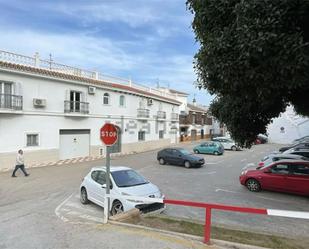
221,243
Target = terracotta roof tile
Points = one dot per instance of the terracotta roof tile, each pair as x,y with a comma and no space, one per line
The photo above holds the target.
82,79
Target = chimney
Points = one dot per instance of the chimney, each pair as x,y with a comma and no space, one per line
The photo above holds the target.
194,101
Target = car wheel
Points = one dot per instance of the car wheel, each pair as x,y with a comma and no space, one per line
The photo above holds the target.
233,148
117,208
84,196
187,164
216,153
196,151
162,161
253,185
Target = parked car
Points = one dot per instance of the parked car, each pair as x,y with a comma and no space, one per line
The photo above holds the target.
301,145
124,182
301,139
212,147
261,139
227,143
291,176
267,160
298,151
179,156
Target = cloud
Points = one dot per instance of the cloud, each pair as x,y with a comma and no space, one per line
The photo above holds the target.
154,40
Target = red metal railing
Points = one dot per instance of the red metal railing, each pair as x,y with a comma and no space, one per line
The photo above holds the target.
209,206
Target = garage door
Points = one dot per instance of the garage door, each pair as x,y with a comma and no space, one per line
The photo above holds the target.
74,143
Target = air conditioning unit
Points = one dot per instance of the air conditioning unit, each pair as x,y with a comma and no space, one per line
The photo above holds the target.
39,102
149,101
91,90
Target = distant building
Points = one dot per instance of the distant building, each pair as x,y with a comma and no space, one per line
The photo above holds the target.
194,121
287,127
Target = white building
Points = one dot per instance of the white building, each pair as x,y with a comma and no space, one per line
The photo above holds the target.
194,122
55,112
287,127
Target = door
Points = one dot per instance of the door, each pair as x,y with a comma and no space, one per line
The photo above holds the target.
298,179
176,157
173,136
5,95
74,143
276,178
193,135
95,190
202,133
75,98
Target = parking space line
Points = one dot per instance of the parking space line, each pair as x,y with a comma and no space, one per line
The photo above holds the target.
257,196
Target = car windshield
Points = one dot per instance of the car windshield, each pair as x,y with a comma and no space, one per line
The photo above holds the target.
184,152
128,178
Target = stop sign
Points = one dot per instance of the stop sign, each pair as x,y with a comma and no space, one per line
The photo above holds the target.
108,134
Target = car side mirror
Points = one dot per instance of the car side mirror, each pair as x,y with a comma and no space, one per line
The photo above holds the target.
267,171
104,186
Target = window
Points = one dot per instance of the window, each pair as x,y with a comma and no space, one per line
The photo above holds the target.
128,178
122,102
301,170
101,178
193,118
280,169
141,136
106,99
161,134
32,139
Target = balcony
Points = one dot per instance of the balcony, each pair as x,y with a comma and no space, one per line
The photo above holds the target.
76,107
174,117
161,115
11,102
142,113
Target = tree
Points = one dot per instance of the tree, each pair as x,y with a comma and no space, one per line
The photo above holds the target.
254,57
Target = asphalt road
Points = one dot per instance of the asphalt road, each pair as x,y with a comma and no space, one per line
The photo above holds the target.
39,206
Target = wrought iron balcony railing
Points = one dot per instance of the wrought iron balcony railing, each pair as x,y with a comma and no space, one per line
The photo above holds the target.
174,116
9,101
143,113
161,115
76,107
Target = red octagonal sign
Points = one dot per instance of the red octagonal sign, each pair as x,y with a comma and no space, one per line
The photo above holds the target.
108,134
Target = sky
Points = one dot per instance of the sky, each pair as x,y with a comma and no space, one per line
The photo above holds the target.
149,41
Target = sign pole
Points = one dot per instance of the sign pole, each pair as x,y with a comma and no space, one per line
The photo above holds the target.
108,135
107,189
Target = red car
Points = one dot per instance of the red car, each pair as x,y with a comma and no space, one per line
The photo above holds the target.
291,176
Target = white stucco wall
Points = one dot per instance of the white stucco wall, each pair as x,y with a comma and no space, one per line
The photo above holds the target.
295,126
49,120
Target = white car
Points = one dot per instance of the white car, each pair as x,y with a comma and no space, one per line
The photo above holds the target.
124,182
227,143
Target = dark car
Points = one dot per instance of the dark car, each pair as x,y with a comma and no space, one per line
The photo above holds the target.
302,145
179,156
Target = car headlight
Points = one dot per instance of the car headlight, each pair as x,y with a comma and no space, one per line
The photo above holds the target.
244,172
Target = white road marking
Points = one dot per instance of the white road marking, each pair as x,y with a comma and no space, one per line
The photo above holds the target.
224,190
78,206
210,173
261,197
58,208
243,160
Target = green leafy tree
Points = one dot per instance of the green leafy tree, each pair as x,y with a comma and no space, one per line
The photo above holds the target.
254,57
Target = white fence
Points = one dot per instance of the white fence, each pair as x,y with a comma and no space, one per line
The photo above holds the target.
50,65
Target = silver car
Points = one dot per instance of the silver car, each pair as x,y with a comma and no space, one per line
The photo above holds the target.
227,143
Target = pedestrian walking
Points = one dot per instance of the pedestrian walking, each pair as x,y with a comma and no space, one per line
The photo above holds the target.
20,164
